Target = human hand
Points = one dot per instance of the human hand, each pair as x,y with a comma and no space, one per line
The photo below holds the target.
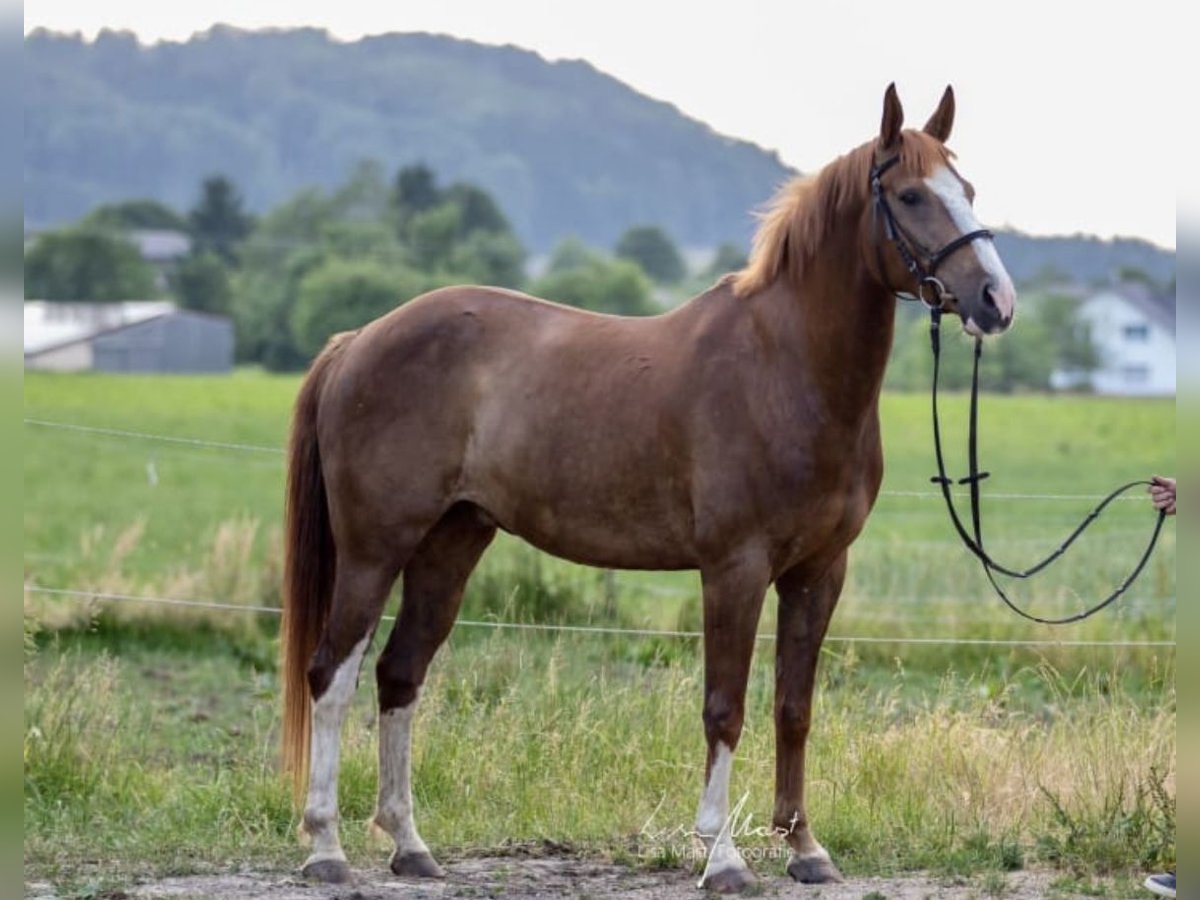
1162,494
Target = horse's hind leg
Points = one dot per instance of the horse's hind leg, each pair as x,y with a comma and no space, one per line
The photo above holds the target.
806,605
733,596
359,594
434,579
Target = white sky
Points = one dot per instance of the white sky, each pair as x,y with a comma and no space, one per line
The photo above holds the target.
1064,108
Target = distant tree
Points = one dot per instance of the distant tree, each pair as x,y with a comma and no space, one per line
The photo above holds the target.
363,239
489,257
149,214
432,235
265,290
1023,361
414,190
1047,337
1070,337
459,230
1048,274
292,241
363,196
342,295
477,210
201,282
218,222
571,253
86,264
604,285
729,258
1136,275
911,365
649,247
323,261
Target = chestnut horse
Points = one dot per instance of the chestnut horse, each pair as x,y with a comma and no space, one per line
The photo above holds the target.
737,434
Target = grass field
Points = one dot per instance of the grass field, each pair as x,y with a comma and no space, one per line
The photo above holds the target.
150,731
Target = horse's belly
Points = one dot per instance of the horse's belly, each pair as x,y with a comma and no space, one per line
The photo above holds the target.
598,527
611,490
608,549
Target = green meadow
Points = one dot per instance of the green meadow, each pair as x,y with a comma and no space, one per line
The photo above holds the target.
950,735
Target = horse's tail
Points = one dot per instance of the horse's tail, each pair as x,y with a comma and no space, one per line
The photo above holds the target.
309,566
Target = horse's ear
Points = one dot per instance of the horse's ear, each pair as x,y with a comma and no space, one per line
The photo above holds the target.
893,117
942,120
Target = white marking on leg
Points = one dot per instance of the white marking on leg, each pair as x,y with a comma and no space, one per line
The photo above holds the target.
713,823
320,812
949,189
394,811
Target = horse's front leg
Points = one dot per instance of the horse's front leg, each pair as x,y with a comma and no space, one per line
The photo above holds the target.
733,596
806,604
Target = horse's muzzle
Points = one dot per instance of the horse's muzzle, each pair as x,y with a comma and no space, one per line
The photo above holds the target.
992,313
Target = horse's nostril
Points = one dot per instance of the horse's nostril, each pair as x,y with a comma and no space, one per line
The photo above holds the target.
988,300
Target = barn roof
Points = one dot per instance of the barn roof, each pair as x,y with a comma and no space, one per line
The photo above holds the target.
52,325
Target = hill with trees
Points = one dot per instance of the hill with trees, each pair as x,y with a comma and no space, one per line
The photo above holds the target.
564,148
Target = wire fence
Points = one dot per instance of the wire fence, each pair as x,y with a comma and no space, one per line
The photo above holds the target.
606,630
278,451
238,448
146,436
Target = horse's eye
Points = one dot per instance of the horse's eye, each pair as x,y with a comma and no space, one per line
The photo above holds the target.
910,197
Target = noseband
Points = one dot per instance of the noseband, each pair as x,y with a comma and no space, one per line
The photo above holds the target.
910,249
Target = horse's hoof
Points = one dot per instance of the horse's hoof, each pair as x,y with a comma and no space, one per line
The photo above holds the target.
327,871
814,870
416,865
732,880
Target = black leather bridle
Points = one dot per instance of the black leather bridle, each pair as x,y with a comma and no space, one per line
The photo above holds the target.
925,272
921,262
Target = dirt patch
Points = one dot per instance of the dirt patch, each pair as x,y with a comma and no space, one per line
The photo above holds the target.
548,879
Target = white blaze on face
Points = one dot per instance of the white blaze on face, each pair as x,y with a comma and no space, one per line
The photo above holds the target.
949,189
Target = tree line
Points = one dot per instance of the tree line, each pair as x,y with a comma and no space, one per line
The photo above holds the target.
330,261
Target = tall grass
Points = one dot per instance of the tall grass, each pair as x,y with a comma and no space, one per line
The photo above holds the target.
514,742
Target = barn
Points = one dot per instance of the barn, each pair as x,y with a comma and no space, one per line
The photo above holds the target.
135,336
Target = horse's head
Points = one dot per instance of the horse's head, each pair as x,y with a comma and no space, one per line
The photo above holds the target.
924,237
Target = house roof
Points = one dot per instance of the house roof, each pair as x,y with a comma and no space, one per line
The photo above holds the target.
51,325
1157,307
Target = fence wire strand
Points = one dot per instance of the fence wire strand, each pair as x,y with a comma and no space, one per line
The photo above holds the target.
227,446
147,436
591,629
278,451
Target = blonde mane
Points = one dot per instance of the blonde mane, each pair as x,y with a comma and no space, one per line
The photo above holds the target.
801,214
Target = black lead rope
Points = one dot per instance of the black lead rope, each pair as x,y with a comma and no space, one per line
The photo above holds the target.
975,543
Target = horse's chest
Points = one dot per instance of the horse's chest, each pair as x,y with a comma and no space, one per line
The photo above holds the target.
823,499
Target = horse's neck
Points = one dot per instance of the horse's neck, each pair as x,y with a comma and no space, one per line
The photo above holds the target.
840,323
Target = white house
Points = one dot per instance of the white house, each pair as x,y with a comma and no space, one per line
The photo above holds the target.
1133,331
